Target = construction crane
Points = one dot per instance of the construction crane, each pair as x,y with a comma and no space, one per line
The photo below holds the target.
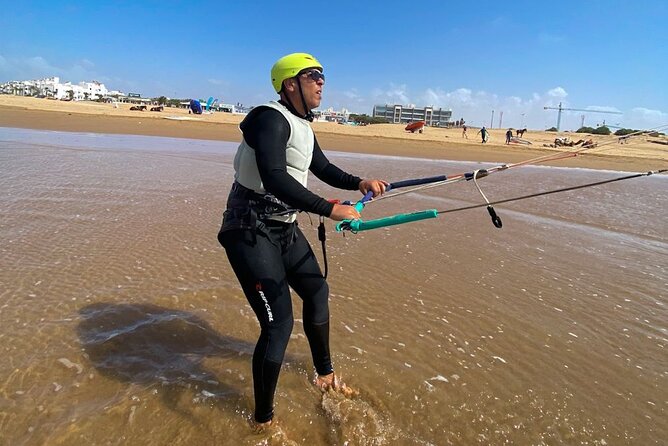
560,108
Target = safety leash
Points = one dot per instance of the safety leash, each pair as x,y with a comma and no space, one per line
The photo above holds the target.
322,236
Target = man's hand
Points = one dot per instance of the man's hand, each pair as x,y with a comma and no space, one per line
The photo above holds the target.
375,186
344,212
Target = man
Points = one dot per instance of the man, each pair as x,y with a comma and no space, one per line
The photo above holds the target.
509,136
483,132
264,245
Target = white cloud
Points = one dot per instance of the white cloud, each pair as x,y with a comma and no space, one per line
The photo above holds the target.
461,95
352,94
395,94
645,118
431,96
558,92
38,64
515,100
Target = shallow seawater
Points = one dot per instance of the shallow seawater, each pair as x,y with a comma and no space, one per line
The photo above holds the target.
121,321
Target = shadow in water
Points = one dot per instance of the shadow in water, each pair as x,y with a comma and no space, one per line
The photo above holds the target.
151,345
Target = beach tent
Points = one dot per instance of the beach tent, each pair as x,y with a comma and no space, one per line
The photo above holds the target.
195,107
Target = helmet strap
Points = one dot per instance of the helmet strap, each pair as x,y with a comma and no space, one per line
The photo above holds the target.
309,114
285,100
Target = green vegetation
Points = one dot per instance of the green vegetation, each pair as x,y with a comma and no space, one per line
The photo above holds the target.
174,102
602,130
624,132
366,119
552,129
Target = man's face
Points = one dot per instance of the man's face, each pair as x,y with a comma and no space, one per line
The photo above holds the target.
312,80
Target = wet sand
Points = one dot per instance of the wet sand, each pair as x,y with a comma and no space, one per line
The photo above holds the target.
122,323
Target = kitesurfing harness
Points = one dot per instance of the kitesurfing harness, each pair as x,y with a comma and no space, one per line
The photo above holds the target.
251,208
246,209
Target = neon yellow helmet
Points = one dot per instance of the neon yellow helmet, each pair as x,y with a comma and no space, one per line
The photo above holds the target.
289,66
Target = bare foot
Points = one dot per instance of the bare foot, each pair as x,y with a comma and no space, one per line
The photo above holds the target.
272,433
260,428
333,383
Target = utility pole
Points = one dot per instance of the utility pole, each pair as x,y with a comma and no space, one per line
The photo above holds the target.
491,121
500,119
523,120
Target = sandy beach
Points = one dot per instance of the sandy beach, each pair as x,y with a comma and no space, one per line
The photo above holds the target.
638,154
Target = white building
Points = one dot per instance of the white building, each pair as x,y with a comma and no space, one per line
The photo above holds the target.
93,90
404,114
52,87
331,115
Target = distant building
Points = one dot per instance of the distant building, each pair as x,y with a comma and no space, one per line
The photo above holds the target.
403,114
237,108
51,87
331,115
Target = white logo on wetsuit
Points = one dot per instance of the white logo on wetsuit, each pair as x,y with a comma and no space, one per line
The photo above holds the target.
266,305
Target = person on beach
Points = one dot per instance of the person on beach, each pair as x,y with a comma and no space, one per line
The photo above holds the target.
260,234
483,132
464,135
509,136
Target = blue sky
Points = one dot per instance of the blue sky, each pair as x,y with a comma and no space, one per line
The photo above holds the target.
471,57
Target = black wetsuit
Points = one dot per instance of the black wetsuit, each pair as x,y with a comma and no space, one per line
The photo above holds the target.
268,256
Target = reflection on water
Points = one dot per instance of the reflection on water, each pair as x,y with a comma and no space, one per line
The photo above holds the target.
122,323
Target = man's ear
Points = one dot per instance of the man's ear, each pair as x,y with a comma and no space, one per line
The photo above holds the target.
290,84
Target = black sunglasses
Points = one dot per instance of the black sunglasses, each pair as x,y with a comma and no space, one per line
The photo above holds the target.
314,75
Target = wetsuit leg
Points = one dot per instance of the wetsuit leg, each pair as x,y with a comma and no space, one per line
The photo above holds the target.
258,264
305,277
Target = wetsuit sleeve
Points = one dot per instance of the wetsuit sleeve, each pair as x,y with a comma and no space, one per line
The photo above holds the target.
329,173
267,132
